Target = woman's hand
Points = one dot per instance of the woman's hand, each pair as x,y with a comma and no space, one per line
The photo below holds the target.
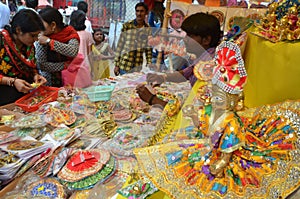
38,79
155,79
147,96
22,86
44,40
144,93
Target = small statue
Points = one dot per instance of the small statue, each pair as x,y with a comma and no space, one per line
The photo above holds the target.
297,31
271,16
292,17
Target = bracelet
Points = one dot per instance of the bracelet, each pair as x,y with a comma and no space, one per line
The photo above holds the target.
151,99
11,82
1,77
8,82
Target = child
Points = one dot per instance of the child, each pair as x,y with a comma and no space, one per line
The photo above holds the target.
77,20
101,53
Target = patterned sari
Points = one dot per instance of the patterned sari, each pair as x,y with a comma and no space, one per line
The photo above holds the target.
100,68
15,62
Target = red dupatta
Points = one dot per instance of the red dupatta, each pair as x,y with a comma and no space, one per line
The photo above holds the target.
65,35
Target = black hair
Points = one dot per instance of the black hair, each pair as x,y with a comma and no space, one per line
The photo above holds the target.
99,30
77,20
203,25
142,4
32,3
82,5
158,10
50,14
24,17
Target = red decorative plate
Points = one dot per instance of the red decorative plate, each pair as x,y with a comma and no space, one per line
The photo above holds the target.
83,164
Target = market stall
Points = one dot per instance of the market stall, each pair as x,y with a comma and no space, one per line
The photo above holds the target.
104,141
86,137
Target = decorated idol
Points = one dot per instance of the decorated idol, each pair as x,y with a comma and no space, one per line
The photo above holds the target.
231,154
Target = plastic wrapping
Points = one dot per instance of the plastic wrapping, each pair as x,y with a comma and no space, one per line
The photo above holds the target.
32,186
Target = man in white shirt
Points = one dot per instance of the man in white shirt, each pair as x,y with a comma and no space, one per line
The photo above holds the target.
82,5
4,15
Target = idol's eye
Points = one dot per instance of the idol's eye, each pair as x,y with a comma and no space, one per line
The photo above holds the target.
217,99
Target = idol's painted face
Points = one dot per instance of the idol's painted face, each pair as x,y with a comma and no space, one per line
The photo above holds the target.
218,99
223,101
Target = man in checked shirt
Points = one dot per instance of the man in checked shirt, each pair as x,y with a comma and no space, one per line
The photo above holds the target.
133,43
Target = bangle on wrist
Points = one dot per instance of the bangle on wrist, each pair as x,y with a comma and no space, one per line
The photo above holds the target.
151,99
8,81
11,82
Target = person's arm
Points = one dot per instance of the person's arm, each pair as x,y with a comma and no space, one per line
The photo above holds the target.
20,84
43,64
70,49
110,52
148,97
176,76
91,42
157,79
156,100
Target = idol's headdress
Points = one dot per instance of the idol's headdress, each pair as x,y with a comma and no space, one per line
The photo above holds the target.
229,74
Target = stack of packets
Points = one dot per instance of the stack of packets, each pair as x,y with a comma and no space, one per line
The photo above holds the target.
63,135
15,154
125,139
85,143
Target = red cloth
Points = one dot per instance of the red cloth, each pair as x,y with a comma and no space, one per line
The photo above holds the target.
150,4
65,35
